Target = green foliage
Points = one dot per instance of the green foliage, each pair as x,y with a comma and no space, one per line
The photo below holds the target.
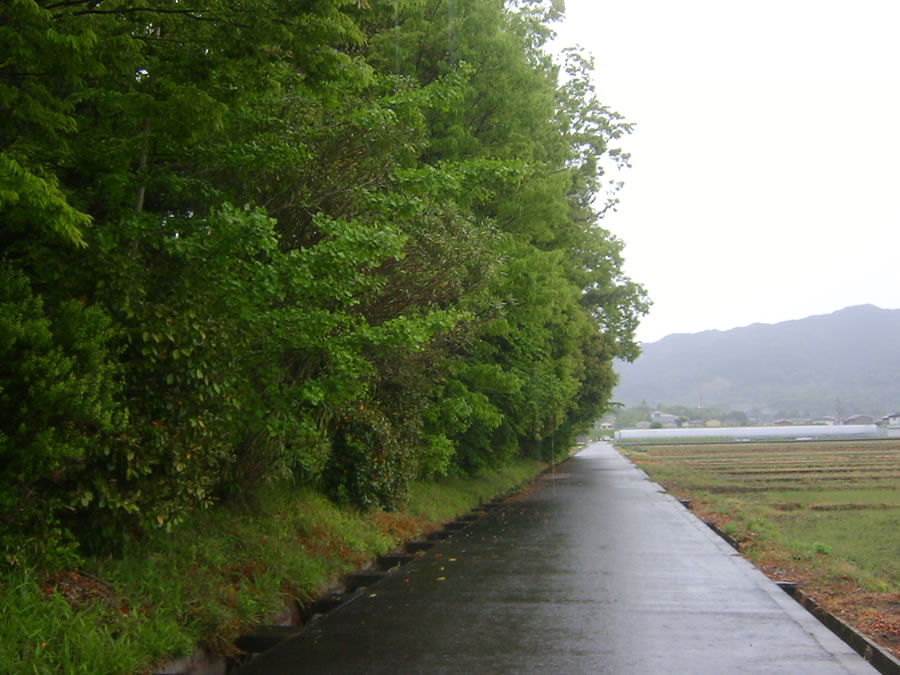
28,195
347,244
823,549
369,466
58,388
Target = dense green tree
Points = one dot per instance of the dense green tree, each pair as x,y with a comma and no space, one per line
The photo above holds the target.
345,242
535,341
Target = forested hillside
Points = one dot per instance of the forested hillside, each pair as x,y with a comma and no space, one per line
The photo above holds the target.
345,242
835,364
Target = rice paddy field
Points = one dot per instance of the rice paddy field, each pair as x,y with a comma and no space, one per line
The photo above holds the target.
825,514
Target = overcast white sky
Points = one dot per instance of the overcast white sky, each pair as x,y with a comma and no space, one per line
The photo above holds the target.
766,153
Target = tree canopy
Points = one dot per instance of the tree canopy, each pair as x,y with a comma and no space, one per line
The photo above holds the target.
346,242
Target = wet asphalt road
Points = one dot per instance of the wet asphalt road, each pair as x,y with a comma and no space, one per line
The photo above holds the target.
595,571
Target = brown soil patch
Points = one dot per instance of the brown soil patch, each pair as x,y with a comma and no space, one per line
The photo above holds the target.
400,527
321,543
876,615
82,590
788,506
851,507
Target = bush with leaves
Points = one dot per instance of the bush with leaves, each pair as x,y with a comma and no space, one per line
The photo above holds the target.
59,383
369,467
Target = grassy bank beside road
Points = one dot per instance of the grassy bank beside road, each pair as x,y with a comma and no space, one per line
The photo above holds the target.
225,569
825,515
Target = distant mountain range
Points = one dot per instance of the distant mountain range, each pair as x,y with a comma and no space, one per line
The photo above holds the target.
833,364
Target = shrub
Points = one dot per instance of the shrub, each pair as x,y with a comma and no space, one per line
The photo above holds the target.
368,467
58,407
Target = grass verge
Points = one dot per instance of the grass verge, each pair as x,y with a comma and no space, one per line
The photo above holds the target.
222,571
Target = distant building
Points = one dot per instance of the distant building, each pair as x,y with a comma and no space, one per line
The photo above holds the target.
825,419
859,419
663,418
791,422
890,425
713,423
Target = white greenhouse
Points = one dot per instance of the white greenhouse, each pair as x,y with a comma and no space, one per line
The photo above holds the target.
806,432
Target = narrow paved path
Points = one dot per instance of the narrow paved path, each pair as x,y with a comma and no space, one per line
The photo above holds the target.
595,571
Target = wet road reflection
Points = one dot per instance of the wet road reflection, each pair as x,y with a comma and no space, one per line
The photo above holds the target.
594,571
